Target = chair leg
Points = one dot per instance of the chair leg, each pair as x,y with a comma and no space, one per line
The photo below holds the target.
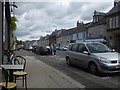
15,88
15,79
25,82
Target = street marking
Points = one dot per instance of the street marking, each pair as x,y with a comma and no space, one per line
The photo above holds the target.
106,77
59,58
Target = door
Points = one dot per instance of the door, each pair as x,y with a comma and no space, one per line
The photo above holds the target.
118,44
73,54
82,57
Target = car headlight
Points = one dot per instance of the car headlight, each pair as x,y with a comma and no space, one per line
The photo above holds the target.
104,60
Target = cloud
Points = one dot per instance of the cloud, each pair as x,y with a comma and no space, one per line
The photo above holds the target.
37,19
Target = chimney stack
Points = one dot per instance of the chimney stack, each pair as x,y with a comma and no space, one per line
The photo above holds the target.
116,2
79,23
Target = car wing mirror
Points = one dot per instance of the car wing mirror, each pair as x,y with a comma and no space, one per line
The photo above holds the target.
85,52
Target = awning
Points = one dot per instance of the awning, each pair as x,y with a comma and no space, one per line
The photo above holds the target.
96,40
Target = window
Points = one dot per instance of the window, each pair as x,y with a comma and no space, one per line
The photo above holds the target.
110,23
97,19
114,22
74,47
70,47
98,48
81,48
93,19
77,36
117,21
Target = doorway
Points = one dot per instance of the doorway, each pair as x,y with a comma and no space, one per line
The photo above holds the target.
118,43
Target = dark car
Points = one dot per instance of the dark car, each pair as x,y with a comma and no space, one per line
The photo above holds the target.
42,50
34,48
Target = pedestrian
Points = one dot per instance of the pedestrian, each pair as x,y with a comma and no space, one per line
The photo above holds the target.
54,49
51,48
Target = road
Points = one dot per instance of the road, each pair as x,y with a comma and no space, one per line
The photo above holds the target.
79,74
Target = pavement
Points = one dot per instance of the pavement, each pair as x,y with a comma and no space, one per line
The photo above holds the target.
41,75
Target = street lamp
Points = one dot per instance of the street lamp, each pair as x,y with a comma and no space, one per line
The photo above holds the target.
12,7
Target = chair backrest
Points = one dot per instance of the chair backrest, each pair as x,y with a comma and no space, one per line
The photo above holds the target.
5,75
19,60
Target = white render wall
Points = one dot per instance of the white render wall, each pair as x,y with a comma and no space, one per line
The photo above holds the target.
81,36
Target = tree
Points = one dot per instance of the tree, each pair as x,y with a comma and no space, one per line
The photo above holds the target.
19,42
13,25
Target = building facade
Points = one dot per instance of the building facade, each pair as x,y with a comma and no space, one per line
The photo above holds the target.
113,26
97,29
43,41
65,37
79,33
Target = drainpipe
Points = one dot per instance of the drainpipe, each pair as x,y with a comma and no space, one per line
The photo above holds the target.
1,32
7,17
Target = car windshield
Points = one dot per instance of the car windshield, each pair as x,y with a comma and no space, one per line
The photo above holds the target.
98,48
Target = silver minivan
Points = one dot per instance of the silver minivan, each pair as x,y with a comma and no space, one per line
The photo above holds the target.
94,56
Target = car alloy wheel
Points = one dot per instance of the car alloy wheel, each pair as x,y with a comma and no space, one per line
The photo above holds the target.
68,61
93,68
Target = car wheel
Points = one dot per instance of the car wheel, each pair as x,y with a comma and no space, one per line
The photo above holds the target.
93,68
68,61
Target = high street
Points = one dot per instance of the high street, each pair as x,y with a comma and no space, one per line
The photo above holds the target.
79,74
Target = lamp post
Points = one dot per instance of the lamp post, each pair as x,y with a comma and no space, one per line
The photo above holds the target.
12,9
13,6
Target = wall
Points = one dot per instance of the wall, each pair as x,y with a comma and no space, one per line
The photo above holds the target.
79,36
96,31
64,40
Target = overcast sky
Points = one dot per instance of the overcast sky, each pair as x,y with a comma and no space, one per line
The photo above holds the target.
37,19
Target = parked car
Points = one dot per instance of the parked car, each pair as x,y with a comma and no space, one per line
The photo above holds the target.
57,48
42,50
19,47
94,56
34,48
30,48
63,48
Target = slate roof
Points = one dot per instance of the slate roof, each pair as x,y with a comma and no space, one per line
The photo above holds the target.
47,37
80,28
66,32
101,22
114,10
53,33
100,13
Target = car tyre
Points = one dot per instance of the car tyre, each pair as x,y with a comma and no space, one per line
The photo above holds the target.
93,69
68,61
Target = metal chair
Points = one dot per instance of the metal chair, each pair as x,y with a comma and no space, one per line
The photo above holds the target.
21,61
5,84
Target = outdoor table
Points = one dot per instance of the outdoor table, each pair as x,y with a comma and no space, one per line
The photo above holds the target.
11,68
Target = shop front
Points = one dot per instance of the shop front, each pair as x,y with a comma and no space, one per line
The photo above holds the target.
114,39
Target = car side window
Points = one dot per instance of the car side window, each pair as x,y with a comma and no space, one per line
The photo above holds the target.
81,48
74,48
70,47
